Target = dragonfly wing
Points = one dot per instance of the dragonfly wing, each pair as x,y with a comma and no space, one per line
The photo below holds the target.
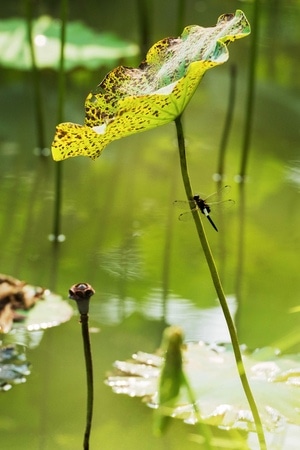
186,216
184,204
215,199
223,204
218,196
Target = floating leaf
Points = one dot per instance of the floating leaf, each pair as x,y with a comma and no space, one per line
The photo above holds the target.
50,312
212,374
83,46
131,100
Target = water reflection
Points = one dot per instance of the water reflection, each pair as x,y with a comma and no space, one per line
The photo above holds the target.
13,366
123,262
207,325
293,174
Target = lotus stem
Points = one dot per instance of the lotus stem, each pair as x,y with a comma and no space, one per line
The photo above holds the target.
82,293
218,286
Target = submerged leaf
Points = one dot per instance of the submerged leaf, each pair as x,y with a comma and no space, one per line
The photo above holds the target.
14,368
130,100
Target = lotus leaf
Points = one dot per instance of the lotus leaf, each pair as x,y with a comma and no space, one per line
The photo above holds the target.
211,373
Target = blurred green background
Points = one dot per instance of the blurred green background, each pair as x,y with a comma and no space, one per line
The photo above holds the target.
122,231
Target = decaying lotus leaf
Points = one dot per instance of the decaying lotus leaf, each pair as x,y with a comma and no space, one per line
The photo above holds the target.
15,295
30,307
131,100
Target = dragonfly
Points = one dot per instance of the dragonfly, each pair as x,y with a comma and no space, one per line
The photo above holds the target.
204,205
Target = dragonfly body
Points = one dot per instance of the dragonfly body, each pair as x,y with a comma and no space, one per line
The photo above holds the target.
204,208
204,204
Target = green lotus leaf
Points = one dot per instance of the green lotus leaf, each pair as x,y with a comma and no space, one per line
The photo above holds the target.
211,372
131,100
83,47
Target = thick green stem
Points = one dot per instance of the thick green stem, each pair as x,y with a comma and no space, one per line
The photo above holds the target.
218,286
89,378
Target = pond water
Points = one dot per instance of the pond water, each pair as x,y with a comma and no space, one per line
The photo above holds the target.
123,235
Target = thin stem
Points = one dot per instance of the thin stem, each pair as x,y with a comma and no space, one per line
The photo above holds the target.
168,242
218,286
60,113
36,80
61,70
251,90
57,200
241,243
145,19
180,15
228,121
246,147
89,378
